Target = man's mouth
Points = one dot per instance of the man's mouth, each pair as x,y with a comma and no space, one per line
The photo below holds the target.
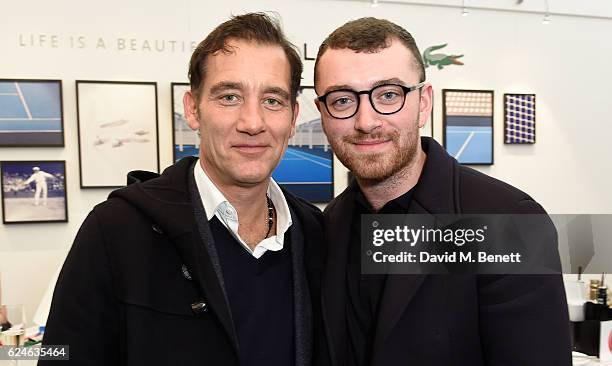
370,144
250,148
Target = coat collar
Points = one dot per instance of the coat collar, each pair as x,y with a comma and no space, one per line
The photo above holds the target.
435,192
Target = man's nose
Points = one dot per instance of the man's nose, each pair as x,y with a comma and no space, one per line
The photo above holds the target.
251,119
366,117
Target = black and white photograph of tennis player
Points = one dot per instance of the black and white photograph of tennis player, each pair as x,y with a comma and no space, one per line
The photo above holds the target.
34,191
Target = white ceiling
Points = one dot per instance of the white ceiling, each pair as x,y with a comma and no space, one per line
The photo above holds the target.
581,8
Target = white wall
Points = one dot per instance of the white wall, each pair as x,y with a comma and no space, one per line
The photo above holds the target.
565,63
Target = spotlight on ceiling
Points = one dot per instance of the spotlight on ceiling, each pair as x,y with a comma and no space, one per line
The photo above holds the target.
464,10
546,19
374,3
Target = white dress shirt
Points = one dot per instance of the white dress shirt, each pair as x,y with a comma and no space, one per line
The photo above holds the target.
215,204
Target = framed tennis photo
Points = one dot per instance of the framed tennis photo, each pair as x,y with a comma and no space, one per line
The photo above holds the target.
467,119
306,169
519,118
31,113
34,191
118,131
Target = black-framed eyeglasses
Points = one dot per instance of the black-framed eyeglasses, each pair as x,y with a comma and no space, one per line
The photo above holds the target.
385,99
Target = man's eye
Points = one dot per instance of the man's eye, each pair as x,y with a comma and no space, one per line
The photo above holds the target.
229,99
390,95
342,101
273,103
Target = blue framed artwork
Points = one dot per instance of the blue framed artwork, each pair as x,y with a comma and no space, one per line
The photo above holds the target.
34,191
468,125
519,118
185,141
306,169
31,113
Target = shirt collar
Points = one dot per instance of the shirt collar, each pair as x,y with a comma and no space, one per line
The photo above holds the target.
396,205
211,196
213,201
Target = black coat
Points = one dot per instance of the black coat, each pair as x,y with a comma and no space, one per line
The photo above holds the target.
123,296
433,320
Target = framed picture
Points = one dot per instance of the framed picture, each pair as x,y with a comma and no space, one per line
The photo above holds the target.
519,118
31,113
34,191
118,131
467,118
306,169
185,141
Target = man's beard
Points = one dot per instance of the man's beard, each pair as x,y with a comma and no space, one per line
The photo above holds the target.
381,165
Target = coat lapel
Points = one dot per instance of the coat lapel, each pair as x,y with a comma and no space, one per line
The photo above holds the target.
398,293
208,266
333,296
301,295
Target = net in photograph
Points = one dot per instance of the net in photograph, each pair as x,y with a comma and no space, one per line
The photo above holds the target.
519,118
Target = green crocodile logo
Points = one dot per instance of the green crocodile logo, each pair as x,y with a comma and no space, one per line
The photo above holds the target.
440,59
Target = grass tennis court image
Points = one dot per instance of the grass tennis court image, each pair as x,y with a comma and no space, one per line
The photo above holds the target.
31,113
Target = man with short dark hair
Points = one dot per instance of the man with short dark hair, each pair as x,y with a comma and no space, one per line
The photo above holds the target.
211,262
373,99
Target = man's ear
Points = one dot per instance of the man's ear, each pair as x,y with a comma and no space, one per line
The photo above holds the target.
190,105
296,112
425,104
318,104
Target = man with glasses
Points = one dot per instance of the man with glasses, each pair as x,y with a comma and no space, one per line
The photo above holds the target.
373,99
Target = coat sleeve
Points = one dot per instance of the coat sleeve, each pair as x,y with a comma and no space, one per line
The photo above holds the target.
524,320
84,311
523,317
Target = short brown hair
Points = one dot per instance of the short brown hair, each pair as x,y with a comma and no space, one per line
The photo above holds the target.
370,35
255,27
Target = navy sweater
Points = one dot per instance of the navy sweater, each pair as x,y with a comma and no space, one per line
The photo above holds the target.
260,293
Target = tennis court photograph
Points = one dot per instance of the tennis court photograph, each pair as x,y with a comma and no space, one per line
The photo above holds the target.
34,191
31,113
185,140
306,169
468,125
